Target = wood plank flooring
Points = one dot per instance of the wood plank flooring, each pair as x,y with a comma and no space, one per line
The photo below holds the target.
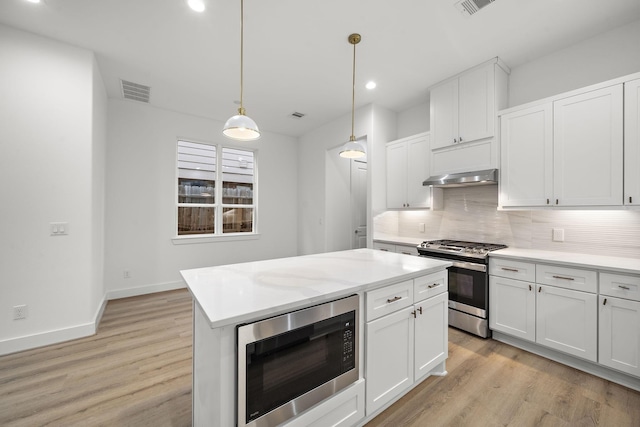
136,371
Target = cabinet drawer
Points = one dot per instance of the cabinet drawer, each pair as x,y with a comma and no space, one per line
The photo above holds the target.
430,285
384,247
568,278
389,299
512,269
407,250
620,285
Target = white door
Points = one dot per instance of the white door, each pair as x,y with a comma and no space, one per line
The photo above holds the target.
512,307
417,171
359,203
444,114
396,175
431,334
476,104
632,142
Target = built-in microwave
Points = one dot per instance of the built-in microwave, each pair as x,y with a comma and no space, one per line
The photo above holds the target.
288,363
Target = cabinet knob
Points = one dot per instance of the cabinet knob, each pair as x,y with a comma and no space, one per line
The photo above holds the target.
556,201
547,201
455,141
460,140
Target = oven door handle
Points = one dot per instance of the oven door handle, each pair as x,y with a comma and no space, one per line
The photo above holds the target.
464,264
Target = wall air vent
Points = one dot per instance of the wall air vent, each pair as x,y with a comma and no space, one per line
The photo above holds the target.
297,115
135,91
469,7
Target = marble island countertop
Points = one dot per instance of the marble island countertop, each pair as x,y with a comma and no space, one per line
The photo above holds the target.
238,293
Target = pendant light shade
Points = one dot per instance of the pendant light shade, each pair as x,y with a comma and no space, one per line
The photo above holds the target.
241,127
353,149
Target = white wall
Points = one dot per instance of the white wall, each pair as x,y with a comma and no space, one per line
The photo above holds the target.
375,123
50,166
606,56
414,120
141,205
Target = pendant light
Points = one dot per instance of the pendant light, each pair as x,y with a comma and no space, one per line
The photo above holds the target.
241,127
353,149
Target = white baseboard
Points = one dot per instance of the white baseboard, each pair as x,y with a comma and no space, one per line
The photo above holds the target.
28,342
143,290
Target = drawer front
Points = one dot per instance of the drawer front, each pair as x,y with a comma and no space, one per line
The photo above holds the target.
384,247
620,285
427,286
511,269
567,277
407,250
383,301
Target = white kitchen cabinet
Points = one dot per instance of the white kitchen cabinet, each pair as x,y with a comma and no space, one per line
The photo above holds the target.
407,167
619,334
404,343
566,320
463,109
526,156
512,307
588,148
399,248
389,364
632,142
431,337
463,119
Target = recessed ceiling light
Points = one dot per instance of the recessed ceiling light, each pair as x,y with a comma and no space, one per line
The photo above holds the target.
371,85
197,5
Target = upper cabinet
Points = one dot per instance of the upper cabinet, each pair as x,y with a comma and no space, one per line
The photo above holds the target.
632,142
567,150
407,167
463,118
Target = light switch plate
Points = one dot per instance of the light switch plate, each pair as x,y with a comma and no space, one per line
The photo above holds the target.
558,234
59,228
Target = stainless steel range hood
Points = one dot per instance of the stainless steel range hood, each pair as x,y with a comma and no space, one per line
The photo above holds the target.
463,179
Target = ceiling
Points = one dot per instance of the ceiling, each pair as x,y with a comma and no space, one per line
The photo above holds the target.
296,54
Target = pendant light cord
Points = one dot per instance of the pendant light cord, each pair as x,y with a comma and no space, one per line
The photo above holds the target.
241,109
353,95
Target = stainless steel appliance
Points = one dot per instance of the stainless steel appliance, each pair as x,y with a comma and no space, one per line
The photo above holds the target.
288,363
468,281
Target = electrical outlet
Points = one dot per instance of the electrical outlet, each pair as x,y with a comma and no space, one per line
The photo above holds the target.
421,227
59,228
126,274
20,312
558,234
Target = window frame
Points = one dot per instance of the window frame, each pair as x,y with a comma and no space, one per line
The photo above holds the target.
218,205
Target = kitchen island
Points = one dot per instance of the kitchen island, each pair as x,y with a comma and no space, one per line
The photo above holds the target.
230,295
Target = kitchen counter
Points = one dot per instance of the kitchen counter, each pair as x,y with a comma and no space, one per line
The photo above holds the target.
396,240
238,293
600,262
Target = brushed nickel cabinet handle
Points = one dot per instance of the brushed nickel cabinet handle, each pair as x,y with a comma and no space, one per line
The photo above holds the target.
563,278
515,270
394,299
626,288
433,286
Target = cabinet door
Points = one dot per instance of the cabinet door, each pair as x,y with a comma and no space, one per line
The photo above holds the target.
389,363
566,320
431,334
396,175
476,104
444,114
587,139
417,171
632,142
527,157
512,307
620,334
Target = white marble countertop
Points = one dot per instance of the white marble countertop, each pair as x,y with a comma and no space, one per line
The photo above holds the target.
598,262
238,293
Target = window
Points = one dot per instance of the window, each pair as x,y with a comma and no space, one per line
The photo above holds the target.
216,190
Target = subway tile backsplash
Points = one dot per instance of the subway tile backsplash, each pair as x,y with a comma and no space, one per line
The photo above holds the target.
470,213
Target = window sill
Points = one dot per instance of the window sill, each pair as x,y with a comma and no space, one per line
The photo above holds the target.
189,240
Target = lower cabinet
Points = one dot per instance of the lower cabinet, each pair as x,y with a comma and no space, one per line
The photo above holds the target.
512,307
620,334
405,346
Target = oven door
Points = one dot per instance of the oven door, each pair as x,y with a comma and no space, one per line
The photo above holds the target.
468,288
289,363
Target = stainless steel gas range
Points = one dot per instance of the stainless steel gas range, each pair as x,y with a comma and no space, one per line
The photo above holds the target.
468,281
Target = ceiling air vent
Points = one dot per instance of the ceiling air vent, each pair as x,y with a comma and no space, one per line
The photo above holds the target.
297,115
469,7
135,91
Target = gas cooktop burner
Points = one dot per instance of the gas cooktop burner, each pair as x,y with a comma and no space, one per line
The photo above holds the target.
474,249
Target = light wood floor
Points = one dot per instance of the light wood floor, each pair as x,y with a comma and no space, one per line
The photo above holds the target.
136,371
